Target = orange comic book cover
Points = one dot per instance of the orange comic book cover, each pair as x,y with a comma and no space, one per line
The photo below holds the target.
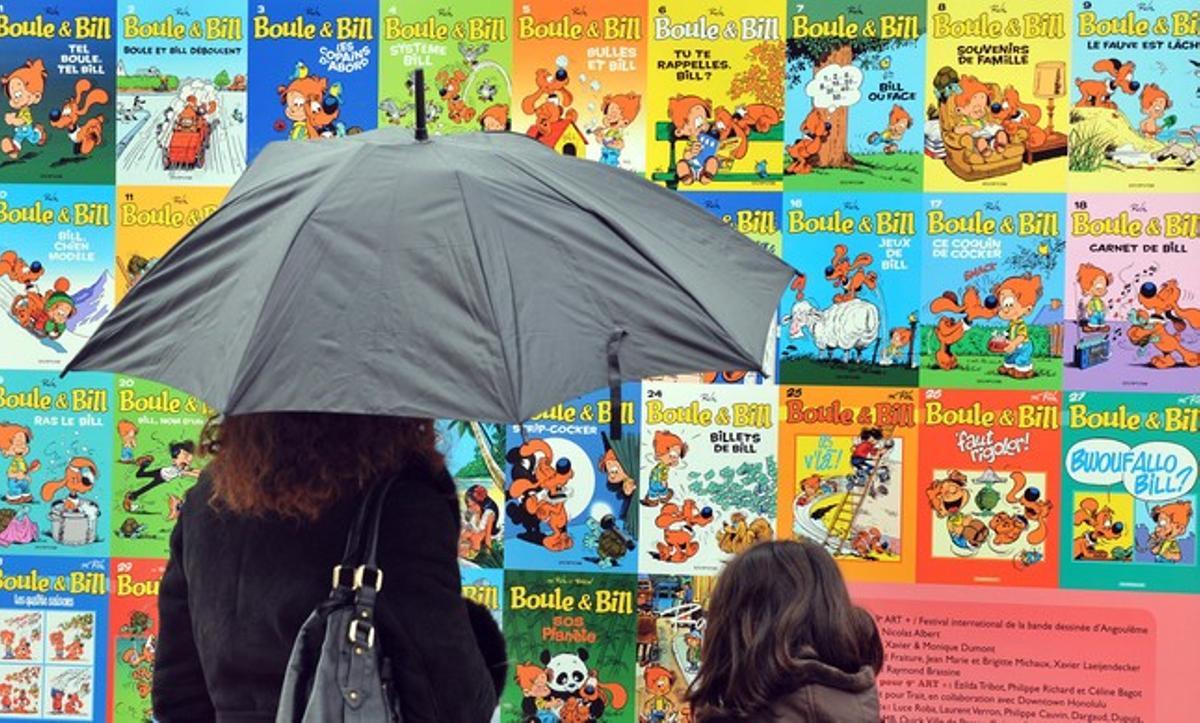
988,489
847,476
579,78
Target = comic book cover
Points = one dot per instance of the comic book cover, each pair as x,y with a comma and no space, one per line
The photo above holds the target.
56,249
1129,466
572,488
991,293
58,82
996,89
847,476
989,503
315,70
474,454
715,80
466,51
55,446
155,460
150,219
757,216
181,92
570,646
486,587
708,474
670,632
855,83
851,314
580,74
133,632
53,615
1135,104
1133,293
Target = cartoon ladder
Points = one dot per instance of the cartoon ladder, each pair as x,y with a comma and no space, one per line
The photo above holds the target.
847,511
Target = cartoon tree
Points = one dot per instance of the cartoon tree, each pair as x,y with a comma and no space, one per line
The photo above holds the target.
222,80
806,58
486,448
760,81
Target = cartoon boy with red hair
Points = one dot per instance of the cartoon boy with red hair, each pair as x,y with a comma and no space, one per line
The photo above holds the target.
14,444
1155,102
669,451
1016,298
24,88
619,111
974,105
1093,282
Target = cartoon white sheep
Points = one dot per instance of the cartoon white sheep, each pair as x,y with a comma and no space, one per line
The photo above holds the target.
849,326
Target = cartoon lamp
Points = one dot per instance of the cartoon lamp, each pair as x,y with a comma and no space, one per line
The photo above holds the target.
1050,82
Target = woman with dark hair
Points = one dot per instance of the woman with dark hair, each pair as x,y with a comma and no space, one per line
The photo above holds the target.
482,519
784,644
252,555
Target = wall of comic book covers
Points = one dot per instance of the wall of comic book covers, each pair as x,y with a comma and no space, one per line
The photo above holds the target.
987,403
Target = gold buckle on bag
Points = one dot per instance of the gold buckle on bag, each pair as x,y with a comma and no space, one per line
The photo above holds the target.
353,633
358,577
337,575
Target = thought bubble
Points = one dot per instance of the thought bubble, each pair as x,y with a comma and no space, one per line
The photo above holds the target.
835,86
1151,471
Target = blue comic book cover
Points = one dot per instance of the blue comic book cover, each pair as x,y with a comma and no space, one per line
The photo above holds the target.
55,443
571,498
53,616
474,454
181,92
57,75
1135,96
991,309
315,69
851,314
854,94
56,284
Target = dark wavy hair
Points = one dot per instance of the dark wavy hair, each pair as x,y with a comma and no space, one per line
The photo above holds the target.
774,608
295,464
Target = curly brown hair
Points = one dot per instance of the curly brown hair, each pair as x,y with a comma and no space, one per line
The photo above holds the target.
773,607
295,464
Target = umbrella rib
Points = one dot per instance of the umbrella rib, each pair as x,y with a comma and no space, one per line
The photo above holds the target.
236,393
514,407
756,358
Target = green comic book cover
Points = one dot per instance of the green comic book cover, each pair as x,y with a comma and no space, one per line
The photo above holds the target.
156,460
571,646
465,49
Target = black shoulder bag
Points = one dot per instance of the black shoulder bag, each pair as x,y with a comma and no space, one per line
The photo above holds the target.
337,672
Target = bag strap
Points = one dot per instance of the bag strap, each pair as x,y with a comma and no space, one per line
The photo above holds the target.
347,575
361,628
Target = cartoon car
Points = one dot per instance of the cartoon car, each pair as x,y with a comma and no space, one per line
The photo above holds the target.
190,134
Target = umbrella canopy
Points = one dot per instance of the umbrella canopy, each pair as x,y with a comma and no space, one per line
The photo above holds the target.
478,276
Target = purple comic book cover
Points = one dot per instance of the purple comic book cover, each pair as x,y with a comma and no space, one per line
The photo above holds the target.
1133,293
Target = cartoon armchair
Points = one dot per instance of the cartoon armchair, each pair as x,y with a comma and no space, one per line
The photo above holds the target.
962,158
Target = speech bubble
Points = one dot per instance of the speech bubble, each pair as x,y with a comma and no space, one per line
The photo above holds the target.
1161,471
1151,471
835,86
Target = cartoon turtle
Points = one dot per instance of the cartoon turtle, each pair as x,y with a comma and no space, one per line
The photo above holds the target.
131,528
609,542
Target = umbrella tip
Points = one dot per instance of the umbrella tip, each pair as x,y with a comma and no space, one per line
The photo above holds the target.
419,97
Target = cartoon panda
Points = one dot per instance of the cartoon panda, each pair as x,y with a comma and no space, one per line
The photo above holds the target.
567,673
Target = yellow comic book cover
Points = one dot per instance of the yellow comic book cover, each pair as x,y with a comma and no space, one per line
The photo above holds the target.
716,90
996,84
579,76
150,219
847,476
1135,97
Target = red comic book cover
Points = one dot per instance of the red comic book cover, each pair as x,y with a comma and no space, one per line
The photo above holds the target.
133,623
988,487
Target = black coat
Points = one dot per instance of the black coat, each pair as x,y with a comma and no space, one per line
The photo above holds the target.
236,591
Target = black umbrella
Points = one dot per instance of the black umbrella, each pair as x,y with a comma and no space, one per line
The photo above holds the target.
479,276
